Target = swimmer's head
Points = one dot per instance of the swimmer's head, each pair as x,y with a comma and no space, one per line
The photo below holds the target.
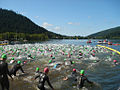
37,69
12,58
74,70
114,61
73,62
50,61
4,56
18,62
82,72
93,54
46,70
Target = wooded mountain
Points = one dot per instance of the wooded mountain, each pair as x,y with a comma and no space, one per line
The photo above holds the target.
13,25
113,33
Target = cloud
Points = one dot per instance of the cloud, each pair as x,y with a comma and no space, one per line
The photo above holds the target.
70,23
45,25
73,23
36,17
57,28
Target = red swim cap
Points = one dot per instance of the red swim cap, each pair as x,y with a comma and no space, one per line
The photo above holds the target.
114,60
93,54
74,70
46,70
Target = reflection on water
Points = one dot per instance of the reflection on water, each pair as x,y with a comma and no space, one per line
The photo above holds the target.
99,68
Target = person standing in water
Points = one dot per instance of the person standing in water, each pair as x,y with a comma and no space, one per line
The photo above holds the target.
15,68
81,80
4,72
73,75
42,78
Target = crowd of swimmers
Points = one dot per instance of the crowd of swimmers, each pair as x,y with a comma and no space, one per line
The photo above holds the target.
43,76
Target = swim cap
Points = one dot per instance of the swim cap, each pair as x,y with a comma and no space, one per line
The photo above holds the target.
82,72
50,61
4,56
29,55
37,69
12,58
94,61
93,54
74,70
73,62
33,57
46,70
65,59
114,60
19,62
53,57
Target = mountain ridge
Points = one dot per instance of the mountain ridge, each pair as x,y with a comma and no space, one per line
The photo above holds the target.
112,33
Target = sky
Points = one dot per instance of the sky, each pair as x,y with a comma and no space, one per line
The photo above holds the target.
69,17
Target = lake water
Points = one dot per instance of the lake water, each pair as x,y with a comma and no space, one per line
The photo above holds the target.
99,68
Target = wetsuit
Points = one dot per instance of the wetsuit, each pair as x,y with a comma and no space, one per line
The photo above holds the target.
15,69
81,80
73,75
42,78
3,75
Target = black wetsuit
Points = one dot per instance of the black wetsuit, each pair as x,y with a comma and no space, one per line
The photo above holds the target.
15,69
81,80
73,75
42,78
3,75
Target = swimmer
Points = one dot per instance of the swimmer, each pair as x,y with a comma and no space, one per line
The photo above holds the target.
4,72
42,78
81,80
115,62
73,75
15,68
30,56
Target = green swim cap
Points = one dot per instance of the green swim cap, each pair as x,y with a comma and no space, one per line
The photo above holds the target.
19,62
29,54
65,59
53,57
73,62
82,72
12,58
4,56
94,61
50,61
33,57
37,69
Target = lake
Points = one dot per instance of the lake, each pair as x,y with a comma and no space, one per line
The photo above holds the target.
99,68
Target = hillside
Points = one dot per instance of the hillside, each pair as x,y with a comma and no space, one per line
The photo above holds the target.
13,25
113,33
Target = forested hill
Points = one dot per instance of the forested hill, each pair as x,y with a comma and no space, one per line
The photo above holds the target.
113,33
13,25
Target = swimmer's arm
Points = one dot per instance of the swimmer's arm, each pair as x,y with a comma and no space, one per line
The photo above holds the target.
66,78
37,76
89,81
22,70
50,84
